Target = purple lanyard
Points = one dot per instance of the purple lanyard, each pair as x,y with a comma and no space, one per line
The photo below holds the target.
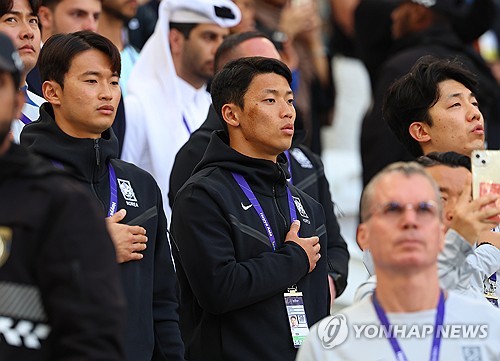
27,99
436,343
287,153
256,205
113,194
186,124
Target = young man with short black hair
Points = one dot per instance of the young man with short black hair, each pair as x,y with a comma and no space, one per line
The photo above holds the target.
236,224
60,292
81,73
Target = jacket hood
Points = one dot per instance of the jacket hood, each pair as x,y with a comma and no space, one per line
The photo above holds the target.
85,158
261,174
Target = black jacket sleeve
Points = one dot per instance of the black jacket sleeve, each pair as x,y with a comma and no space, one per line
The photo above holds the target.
79,281
169,345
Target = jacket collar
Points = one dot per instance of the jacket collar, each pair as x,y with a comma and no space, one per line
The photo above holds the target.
262,175
85,158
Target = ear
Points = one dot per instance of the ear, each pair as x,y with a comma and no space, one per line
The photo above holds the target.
52,92
420,132
45,16
230,115
176,41
362,236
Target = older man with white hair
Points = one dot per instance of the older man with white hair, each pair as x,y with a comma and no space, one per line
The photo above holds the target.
167,96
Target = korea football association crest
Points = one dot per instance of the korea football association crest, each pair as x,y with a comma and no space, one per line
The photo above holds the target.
5,244
300,208
128,193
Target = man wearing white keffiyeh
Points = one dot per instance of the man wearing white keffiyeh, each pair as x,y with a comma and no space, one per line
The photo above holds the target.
167,97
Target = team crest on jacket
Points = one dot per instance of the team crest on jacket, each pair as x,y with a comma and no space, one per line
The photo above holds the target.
128,193
301,209
5,243
301,158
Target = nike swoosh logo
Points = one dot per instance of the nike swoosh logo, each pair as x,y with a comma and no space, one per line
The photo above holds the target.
245,207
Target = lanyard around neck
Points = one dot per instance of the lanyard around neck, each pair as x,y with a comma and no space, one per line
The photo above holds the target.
113,186
113,193
436,342
256,205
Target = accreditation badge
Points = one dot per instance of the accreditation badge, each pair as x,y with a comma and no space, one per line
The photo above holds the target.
297,319
5,243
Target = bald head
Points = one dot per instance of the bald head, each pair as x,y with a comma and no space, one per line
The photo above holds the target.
244,45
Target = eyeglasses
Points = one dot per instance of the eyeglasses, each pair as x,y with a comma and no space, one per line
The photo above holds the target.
425,210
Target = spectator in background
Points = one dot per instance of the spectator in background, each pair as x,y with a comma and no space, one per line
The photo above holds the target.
168,99
114,18
19,20
60,294
63,16
298,24
142,26
421,28
401,215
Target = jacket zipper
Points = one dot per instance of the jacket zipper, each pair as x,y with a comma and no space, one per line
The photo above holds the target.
96,170
278,207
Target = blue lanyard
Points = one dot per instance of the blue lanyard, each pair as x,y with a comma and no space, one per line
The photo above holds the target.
186,124
256,205
287,153
113,194
436,343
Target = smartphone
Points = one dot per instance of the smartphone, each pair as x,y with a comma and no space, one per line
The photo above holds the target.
485,174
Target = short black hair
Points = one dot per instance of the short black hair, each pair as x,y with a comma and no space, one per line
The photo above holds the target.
231,42
410,97
58,52
6,6
184,28
231,83
450,159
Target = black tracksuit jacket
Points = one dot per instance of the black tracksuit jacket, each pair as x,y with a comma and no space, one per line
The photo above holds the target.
308,176
60,296
150,283
232,283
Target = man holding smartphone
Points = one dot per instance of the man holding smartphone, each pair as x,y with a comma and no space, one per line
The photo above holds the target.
433,108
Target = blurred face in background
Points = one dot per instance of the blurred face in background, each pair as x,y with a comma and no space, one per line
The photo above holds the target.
247,23
69,16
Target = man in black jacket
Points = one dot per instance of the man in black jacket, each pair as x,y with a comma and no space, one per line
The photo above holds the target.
236,224
80,73
305,167
422,28
59,298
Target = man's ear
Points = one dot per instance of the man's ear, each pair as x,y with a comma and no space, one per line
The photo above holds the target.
52,92
362,237
176,41
230,115
45,16
420,132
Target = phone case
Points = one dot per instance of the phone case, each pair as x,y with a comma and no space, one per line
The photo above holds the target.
485,173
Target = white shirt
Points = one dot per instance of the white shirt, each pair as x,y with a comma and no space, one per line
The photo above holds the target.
31,112
459,310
